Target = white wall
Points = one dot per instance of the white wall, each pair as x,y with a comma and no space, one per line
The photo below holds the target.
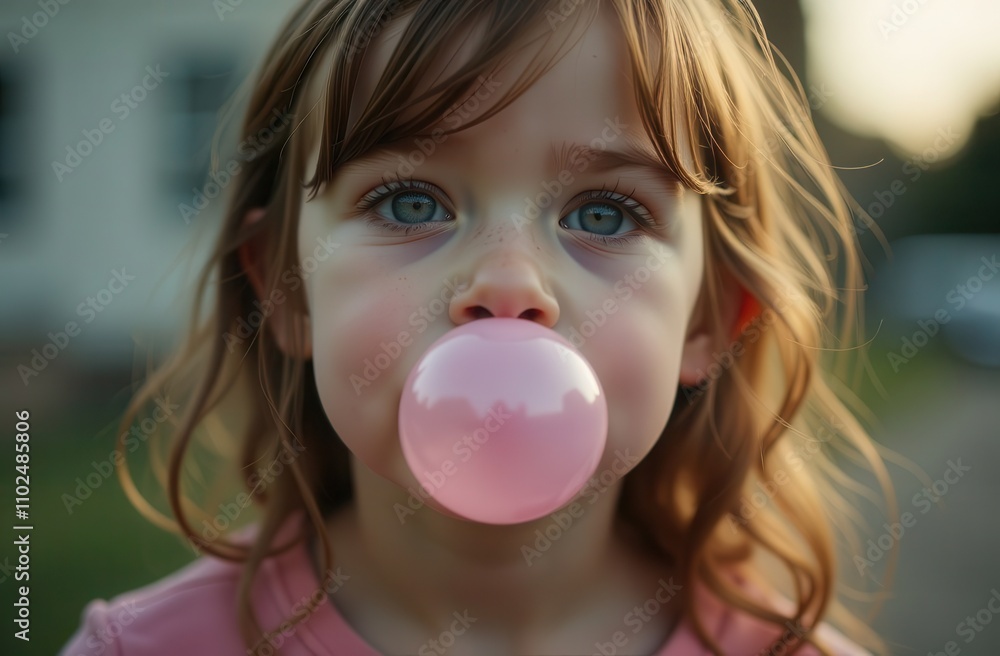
64,242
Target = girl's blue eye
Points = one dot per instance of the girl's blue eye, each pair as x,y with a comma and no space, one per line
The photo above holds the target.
597,218
604,222
413,207
404,205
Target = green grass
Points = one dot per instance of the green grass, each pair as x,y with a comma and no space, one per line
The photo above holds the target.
103,548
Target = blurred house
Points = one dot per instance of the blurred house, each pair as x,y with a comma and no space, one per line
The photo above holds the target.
107,110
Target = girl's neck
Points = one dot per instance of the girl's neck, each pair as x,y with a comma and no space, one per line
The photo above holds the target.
422,567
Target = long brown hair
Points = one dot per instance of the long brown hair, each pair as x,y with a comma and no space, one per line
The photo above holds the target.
778,223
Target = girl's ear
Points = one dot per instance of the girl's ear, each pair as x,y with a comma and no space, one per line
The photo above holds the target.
283,321
737,307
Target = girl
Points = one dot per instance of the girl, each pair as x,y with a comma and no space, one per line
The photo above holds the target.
637,176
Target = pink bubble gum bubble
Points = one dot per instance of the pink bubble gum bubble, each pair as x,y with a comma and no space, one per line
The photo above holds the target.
502,421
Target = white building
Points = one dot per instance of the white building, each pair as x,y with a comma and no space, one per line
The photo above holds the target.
107,108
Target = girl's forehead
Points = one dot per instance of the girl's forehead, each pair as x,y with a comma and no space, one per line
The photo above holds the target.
572,38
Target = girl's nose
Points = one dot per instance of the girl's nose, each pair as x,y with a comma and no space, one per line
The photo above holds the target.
505,283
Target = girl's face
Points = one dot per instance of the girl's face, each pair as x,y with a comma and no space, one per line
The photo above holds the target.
543,212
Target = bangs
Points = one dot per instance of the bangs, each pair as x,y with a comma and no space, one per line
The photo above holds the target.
685,103
686,113
406,101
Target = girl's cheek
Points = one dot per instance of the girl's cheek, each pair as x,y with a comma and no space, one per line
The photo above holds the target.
358,311
637,357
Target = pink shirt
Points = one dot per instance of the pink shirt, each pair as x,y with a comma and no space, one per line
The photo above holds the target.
193,612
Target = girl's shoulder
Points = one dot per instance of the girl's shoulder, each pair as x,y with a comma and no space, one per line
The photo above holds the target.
740,633
189,611
193,610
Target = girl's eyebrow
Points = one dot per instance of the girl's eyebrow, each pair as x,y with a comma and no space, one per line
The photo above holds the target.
568,155
565,156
